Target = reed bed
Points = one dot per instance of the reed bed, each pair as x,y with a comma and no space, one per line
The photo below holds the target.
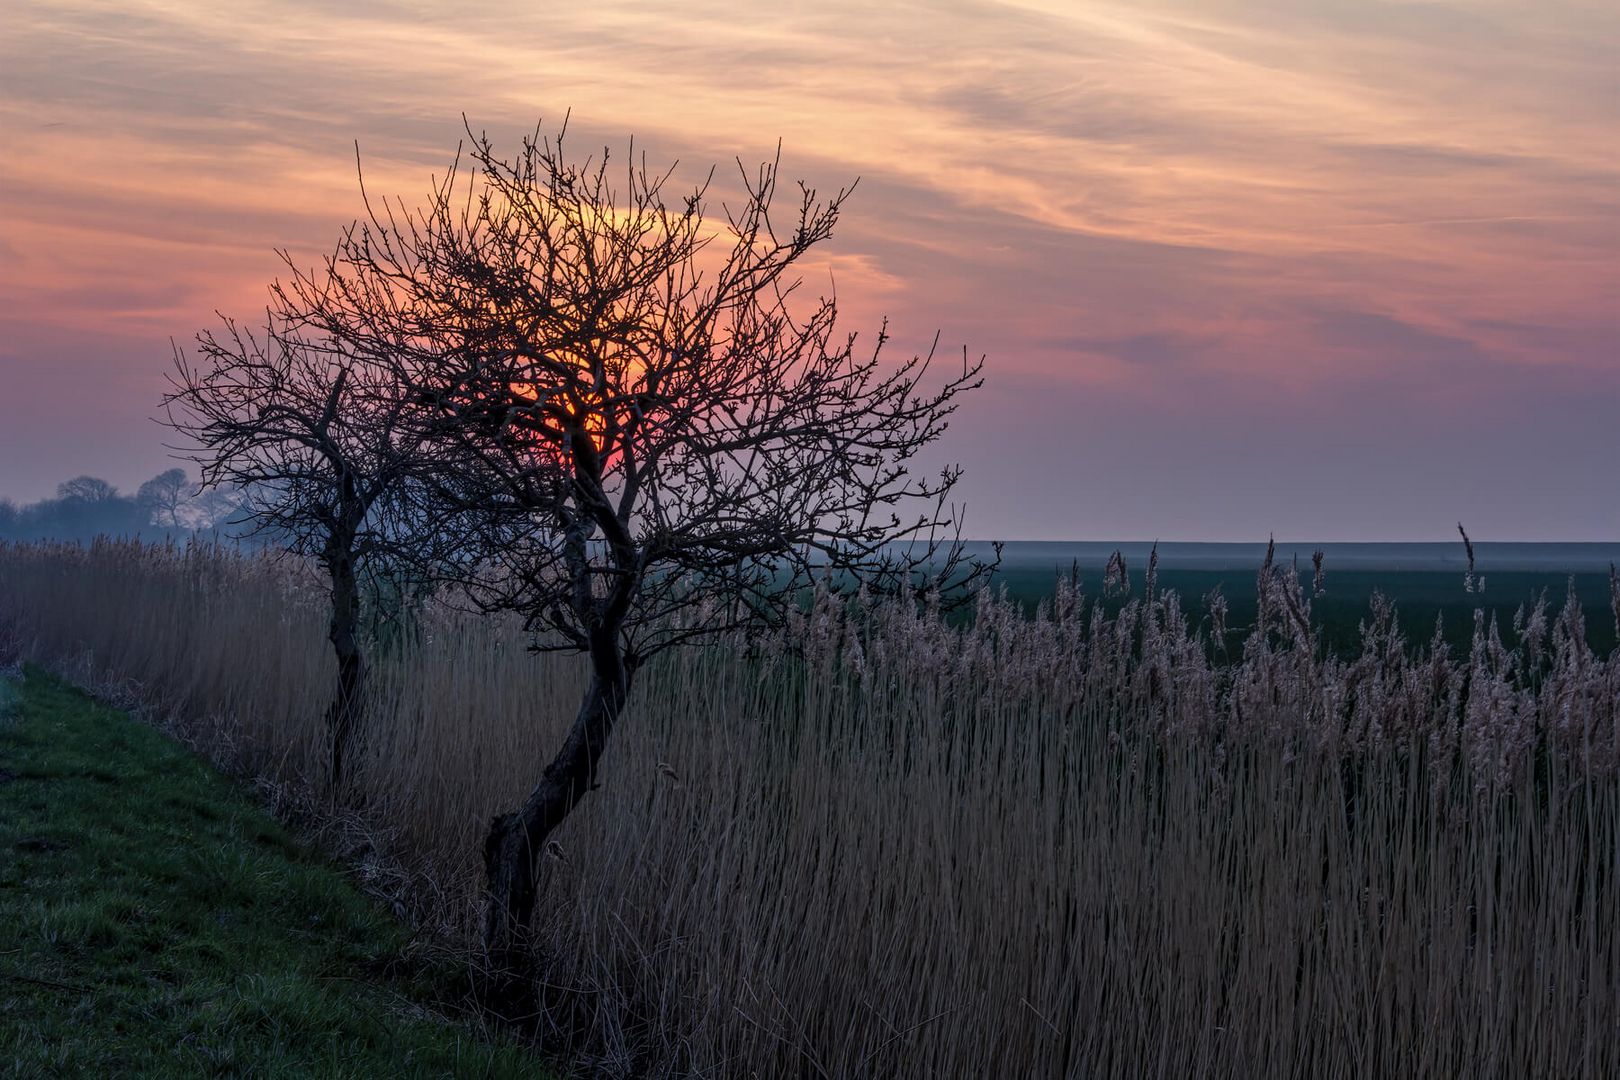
880,844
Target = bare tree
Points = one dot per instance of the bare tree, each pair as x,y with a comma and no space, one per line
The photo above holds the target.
163,495
84,508
311,436
86,489
658,446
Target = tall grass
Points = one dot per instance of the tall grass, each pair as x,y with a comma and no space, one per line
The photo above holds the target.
1065,845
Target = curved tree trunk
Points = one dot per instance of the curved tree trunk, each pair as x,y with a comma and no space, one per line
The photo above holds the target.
516,841
343,714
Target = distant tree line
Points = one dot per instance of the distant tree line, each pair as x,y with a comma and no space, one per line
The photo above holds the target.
85,507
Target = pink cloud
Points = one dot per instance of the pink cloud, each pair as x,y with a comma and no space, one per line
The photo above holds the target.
1201,241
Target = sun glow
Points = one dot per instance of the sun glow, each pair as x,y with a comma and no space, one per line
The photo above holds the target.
590,396
1245,227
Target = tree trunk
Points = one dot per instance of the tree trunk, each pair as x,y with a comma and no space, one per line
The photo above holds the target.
516,841
343,715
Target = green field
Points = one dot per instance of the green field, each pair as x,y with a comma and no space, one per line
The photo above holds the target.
1420,598
154,921
1424,580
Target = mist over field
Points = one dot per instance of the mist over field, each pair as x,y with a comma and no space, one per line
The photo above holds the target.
170,505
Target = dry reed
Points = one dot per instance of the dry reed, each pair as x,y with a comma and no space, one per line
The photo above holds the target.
1066,845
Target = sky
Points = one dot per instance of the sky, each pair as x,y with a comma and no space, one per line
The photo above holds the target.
1328,269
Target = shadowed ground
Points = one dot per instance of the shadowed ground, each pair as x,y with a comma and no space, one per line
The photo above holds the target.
154,921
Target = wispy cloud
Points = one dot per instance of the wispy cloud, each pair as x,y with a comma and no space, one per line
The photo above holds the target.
1180,205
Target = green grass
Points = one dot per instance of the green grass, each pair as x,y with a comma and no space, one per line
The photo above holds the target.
154,921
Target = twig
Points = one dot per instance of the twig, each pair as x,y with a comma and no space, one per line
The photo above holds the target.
72,988
902,1034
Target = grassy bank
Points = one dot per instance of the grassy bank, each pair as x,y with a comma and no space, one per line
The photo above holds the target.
154,921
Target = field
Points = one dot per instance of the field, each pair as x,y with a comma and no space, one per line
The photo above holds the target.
1424,580
1086,842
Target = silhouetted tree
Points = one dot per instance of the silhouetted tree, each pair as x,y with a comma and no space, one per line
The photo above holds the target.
307,435
163,496
86,489
85,507
678,452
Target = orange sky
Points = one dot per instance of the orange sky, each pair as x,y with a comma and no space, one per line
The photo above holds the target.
1338,270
